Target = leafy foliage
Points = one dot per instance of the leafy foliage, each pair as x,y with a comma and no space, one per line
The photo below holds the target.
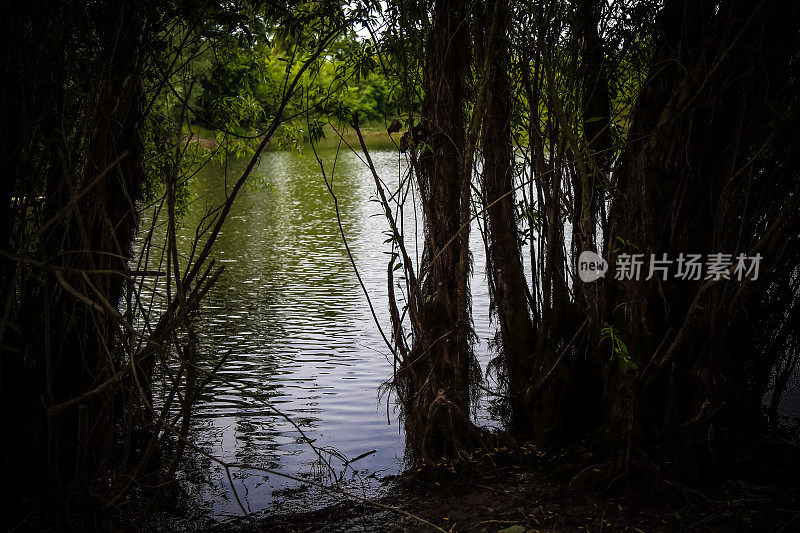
618,348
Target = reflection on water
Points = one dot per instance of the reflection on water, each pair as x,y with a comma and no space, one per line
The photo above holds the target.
291,312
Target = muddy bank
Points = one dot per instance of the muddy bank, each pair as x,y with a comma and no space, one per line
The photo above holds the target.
529,489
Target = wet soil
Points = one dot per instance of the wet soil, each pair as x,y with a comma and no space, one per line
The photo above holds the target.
528,489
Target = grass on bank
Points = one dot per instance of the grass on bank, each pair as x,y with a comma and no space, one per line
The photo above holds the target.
294,136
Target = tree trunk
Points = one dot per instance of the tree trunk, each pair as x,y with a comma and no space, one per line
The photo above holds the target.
683,186
438,375
504,262
68,318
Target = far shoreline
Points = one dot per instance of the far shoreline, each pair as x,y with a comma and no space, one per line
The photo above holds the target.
375,137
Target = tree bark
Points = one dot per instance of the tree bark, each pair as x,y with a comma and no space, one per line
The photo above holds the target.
94,177
438,374
504,261
683,187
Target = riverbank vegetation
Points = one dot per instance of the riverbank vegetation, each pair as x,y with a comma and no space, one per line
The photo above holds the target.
636,130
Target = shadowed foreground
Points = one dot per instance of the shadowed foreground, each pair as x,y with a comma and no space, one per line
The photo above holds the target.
533,490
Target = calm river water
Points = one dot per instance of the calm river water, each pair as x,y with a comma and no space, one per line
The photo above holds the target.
290,310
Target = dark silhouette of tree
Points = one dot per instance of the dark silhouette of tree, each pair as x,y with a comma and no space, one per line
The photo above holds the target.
438,373
504,261
695,177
